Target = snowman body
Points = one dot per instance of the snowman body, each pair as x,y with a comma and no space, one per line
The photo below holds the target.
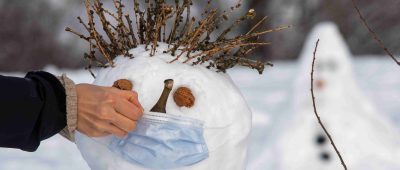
219,104
366,139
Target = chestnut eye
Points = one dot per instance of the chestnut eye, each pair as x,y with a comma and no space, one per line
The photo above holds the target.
332,66
320,66
327,65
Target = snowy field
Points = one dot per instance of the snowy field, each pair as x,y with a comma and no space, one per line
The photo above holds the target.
269,96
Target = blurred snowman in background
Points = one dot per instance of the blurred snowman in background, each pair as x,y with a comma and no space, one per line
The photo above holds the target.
365,137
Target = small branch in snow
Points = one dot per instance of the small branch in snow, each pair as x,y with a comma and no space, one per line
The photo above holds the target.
374,35
315,109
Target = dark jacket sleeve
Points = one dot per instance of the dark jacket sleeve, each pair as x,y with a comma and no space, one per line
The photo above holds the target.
32,109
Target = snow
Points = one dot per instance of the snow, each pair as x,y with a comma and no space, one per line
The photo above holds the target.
371,73
270,97
366,138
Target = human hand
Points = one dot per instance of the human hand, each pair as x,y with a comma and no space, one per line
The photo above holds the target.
106,110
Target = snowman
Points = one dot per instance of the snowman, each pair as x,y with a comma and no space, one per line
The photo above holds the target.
218,104
366,138
194,116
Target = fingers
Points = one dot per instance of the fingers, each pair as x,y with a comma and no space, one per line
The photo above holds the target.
86,125
102,128
103,110
128,109
110,128
123,122
116,124
131,96
118,111
109,114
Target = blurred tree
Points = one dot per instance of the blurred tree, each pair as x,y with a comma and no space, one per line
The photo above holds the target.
29,36
32,32
304,14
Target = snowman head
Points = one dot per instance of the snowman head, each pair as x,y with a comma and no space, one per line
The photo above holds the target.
333,70
165,41
333,63
219,105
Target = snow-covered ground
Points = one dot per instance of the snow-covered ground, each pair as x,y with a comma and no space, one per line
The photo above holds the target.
270,98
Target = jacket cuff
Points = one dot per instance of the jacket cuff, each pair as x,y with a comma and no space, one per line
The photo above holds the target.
72,110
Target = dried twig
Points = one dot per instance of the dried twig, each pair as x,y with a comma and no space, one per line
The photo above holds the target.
315,109
373,34
189,38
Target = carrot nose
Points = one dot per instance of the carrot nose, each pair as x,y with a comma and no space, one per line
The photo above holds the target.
320,84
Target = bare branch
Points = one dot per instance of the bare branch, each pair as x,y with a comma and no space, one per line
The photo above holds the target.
315,109
373,34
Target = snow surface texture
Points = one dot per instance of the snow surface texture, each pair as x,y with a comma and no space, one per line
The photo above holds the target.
367,140
270,97
218,103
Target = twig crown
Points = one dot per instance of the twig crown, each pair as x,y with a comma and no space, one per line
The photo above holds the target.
188,36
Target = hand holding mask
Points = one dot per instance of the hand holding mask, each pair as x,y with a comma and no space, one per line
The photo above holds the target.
163,141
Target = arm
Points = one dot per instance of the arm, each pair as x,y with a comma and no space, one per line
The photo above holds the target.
32,109
37,107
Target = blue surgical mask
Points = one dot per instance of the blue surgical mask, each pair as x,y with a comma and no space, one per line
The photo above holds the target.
163,141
